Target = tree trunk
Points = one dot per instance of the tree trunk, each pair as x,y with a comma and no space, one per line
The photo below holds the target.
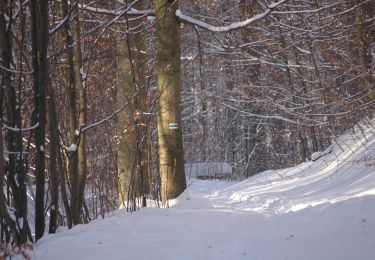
16,169
11,224
39,14
301,142
132,162
80,80
73,123
171,152
53,162
249,8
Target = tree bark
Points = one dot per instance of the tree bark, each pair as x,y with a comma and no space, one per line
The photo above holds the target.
39,14
11,224
73,122
80,80
53,162
171,152
16,168
132,163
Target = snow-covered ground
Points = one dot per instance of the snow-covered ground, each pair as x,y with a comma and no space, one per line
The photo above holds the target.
317,210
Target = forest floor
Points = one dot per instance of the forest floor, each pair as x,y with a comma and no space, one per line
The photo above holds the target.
317,210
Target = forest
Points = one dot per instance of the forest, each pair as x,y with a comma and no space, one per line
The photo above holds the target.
104,104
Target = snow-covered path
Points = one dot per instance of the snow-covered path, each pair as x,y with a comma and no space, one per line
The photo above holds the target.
316,210
342,231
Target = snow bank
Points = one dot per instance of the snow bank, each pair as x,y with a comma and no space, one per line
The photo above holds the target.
346,170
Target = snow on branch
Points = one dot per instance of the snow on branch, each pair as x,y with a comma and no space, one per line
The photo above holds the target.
277,117
129,11
58,26
229,27
16,129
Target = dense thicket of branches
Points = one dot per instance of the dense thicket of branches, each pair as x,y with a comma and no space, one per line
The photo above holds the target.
263,86
271,94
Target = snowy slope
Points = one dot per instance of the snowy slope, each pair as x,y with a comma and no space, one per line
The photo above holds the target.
348,171
317,210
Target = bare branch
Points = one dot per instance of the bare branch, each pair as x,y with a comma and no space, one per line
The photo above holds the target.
229,27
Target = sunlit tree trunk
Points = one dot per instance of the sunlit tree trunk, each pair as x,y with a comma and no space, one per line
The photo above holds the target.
171,152
80,80
73,124
132,152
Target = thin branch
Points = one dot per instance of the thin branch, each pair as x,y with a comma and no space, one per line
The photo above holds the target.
129,12
16,129
229,27
59,25
107,118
